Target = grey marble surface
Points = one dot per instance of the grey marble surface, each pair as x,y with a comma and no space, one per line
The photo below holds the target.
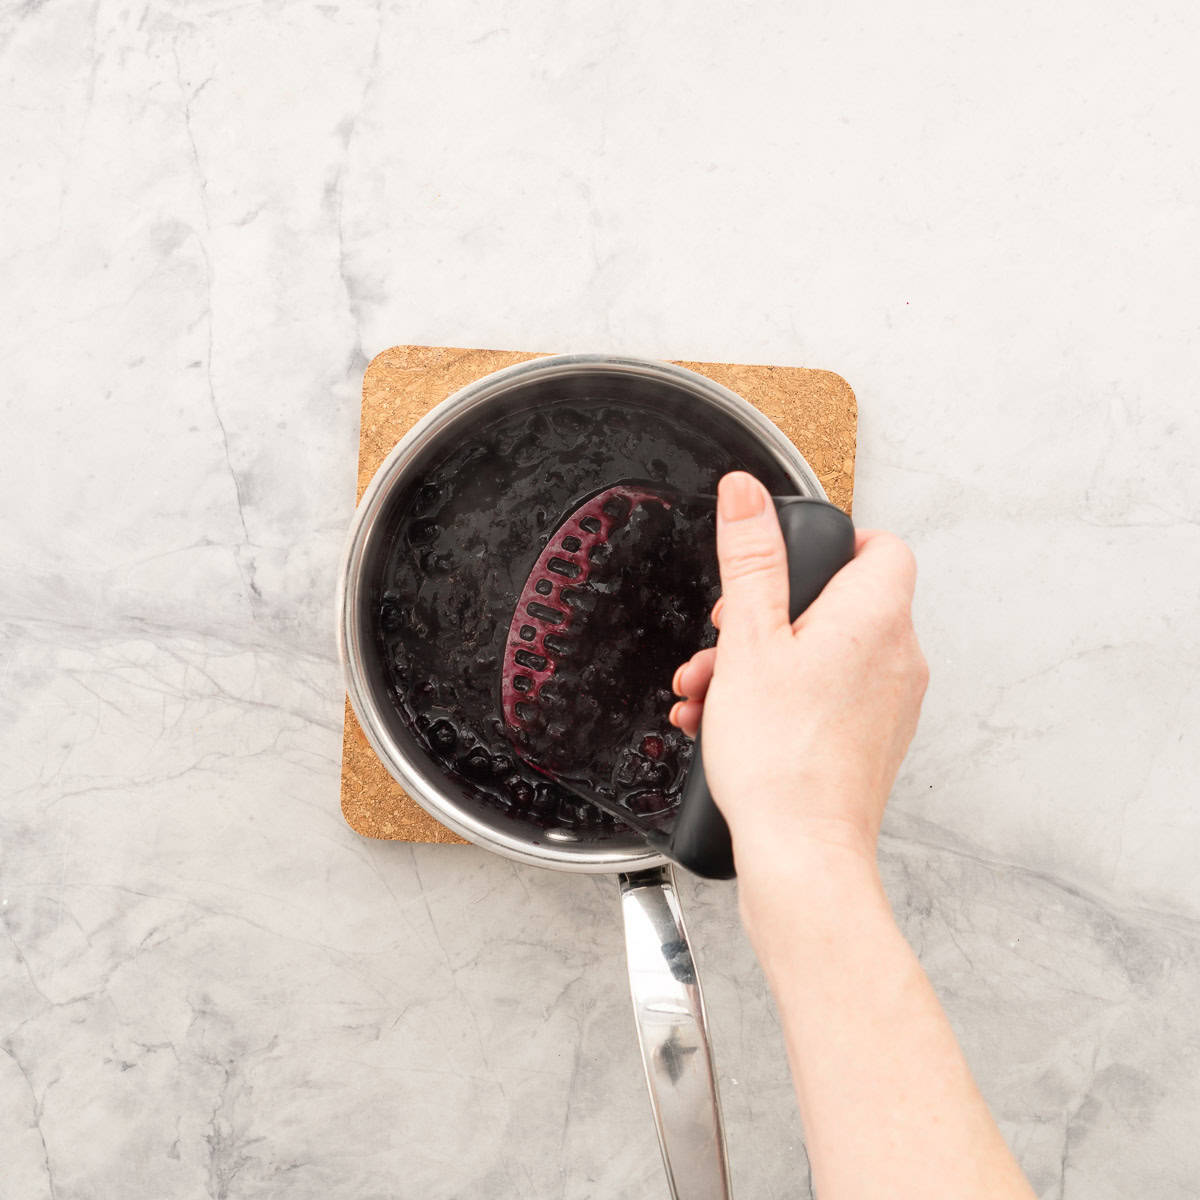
215,213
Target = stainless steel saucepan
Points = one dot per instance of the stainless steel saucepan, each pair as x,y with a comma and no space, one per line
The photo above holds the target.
668,1005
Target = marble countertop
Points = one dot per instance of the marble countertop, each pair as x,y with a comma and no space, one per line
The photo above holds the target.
214,214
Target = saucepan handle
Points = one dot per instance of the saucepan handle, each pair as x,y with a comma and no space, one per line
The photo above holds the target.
673,1034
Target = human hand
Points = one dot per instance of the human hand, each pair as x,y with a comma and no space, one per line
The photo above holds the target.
805,725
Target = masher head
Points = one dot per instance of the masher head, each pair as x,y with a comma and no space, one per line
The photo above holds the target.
604,618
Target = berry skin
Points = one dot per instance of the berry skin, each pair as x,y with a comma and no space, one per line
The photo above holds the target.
652,746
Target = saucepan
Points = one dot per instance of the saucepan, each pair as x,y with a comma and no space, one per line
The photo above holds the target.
667,1000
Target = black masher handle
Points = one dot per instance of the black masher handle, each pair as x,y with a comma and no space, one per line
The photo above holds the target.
820,542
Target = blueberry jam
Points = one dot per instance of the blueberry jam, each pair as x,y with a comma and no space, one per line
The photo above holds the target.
464,544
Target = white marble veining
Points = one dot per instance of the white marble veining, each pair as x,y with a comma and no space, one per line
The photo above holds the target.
213,215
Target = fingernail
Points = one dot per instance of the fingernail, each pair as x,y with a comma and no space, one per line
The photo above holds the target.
673,715
677,680
739,496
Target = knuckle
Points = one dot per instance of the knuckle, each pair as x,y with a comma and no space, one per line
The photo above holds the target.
904,554
896,561
899,550
751,557
910,667
920,672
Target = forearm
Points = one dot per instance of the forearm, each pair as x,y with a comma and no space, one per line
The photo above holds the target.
888,1102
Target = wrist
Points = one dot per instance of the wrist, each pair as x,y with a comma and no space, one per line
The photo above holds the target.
814,882
776,840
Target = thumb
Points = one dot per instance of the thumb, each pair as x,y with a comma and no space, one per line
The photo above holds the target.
753,560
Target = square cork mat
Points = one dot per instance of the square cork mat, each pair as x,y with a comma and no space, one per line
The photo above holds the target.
815,409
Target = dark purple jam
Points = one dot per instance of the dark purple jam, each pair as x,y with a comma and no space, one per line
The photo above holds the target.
465,543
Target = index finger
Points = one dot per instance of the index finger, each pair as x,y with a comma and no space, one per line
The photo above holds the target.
885,553
881,576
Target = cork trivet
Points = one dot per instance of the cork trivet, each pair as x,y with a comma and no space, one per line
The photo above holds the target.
815,409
